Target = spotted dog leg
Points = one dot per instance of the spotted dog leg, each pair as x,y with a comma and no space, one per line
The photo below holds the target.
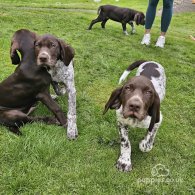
72,132
124,161
148,142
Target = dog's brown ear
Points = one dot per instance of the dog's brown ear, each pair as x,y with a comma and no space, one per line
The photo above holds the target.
13,52
114,101
137,18
154,111
21,41
66,53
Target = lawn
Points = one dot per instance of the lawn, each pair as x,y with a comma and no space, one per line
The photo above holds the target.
44,161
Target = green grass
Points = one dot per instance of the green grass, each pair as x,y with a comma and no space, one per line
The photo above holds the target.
78,4
43,161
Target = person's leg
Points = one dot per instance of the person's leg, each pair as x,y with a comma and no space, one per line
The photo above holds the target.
165,21
150,16
166,15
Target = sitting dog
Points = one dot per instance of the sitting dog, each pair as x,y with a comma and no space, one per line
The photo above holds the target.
118,14
47,50
137,104
27,85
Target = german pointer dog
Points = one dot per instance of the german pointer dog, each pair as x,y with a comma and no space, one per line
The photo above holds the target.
118,14
47,51
137,104
27,85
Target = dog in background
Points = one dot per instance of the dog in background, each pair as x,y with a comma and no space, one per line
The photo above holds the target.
118,14
137,104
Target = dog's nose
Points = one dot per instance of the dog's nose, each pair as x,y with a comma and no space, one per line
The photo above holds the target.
43,57
135,105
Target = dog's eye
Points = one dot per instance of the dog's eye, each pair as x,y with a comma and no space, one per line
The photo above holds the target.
53,44
148,92
36,44
129,88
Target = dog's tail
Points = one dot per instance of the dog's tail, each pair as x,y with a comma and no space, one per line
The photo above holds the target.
99,10
129,69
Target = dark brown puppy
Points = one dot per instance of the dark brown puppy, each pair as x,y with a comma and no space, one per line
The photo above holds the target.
118,14
27,85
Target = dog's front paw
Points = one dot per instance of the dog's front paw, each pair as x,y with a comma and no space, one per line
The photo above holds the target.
145,146
133,31
125,32
54,96
62,91
124,164
72,133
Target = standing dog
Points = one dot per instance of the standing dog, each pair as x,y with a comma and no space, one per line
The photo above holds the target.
137,104
47,50
118,14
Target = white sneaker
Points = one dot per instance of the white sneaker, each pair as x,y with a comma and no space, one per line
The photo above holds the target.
160,42
146,39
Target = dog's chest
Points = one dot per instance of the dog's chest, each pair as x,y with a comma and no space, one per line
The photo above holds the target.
61,73
132,121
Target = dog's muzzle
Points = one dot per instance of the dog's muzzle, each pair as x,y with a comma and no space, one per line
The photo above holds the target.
133,108
43,59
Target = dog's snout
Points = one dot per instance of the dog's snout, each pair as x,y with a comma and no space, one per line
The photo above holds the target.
43,57
135,105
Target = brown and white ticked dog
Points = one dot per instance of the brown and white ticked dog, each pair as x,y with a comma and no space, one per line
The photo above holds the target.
137,104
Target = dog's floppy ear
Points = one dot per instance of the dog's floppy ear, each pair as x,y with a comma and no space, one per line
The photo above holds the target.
66,52
21,41
13,52
114,101
154,111
137,18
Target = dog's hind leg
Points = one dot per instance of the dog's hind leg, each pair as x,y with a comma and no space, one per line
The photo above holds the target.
148,142
15,130
124,28
104,23
98,19
13,119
